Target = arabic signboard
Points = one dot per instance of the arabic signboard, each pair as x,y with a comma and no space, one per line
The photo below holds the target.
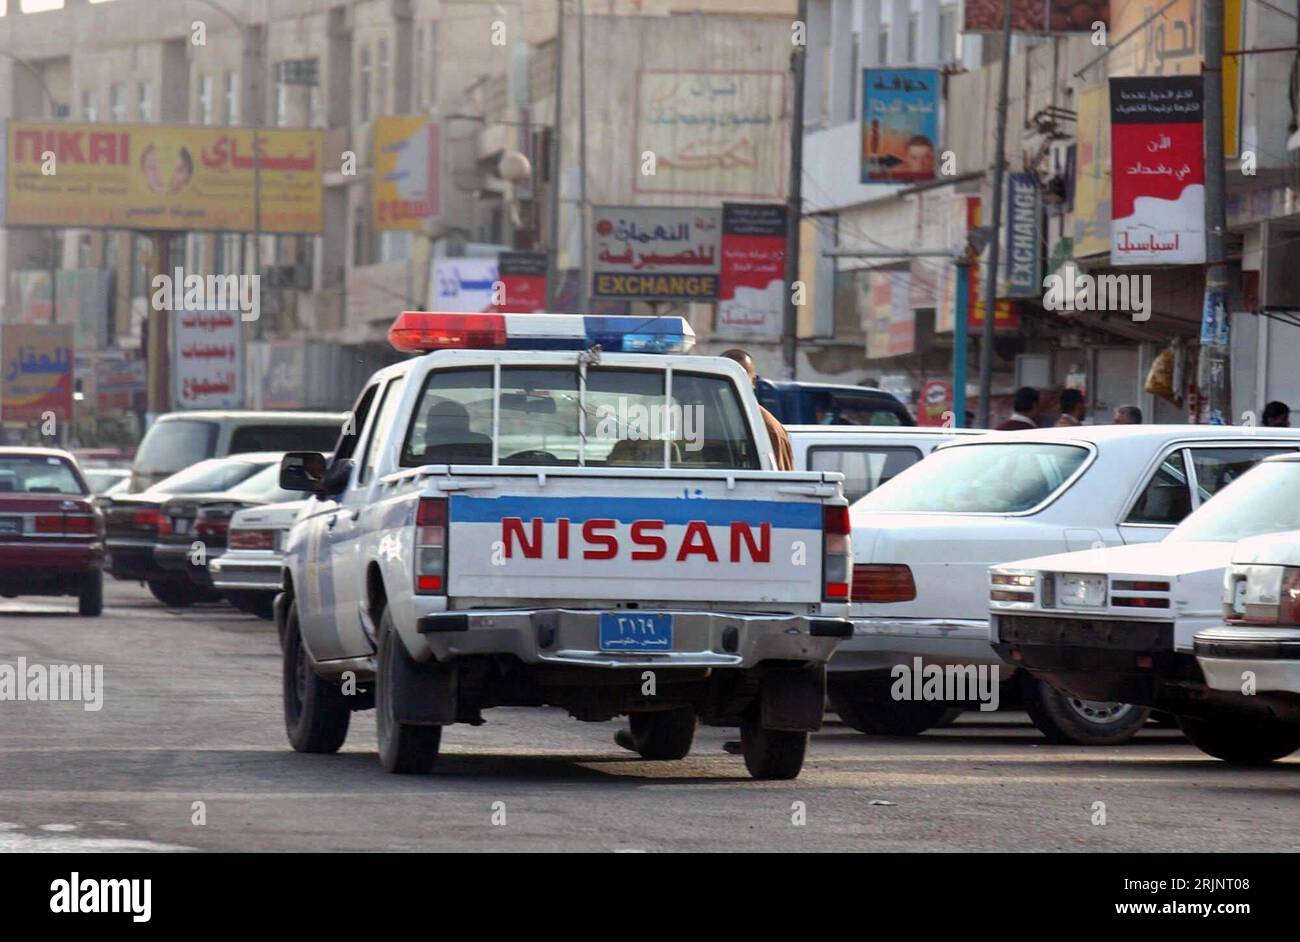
408,172
523,282
119,383
1173,43
1036,16
1090,223
36,372
887,318
900,125
655,253
207,360
1158,177
157,176
751,284
1023,256
711,133
463,285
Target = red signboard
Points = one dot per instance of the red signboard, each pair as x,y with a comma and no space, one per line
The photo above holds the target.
1036,16
751,282
523,282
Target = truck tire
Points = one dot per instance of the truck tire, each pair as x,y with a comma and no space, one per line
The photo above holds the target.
663,734
885,717
771,753
90,600
1069,720
173,593
316,713
404,748
1244,741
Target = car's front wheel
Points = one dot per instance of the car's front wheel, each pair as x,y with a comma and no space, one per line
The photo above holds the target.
1069,720
403,747
316,712
1244,741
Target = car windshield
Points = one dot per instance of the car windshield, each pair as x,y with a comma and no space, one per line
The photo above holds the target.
173,445
1261,501
264,486
37,474
618,420
995,478
215,476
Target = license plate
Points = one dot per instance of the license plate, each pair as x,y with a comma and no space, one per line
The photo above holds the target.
1078,590
1239,597
636,631
11,526
180,524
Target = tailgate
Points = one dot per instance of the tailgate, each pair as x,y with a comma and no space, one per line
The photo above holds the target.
753,539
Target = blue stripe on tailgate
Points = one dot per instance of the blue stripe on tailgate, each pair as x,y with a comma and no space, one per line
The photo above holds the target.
671,510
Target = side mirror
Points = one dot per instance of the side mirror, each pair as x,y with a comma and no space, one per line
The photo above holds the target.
303,471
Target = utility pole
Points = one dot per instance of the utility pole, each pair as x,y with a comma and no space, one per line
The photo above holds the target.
1214,392
584,276
557,157
991,285
794,197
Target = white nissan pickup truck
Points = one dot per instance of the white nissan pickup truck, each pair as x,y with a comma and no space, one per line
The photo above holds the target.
560,510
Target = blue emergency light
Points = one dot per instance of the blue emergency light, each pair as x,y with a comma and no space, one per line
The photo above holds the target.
424,331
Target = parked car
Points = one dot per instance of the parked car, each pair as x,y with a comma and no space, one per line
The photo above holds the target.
181,439
828,404
193,528
250,568
923,544
867,455
133,520
51,531
1118,624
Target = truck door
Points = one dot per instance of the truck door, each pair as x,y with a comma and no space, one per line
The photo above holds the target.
343,533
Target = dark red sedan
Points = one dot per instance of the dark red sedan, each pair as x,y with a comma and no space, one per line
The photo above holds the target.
51,531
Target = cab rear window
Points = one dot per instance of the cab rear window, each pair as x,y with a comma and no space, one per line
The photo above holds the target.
550,416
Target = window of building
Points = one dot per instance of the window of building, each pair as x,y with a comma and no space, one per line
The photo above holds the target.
89,107
363,88
381,78
116,102
205,99
144,101
232,97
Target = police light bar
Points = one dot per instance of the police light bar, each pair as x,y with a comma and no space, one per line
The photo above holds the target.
425,331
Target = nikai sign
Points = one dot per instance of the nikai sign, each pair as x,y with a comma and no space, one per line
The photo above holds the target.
1157,171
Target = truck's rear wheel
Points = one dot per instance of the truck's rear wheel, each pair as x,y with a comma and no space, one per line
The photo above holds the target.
404,748
316,712
771,753
1245,741
662,734
876,717
1069,720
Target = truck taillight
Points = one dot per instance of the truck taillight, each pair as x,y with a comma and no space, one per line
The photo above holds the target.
837,554
877,582
431,546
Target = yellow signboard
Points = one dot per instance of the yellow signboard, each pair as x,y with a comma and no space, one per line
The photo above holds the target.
157,176
1173,43
408,163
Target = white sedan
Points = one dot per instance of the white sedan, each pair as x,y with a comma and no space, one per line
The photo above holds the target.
923,544
248,574
1117,624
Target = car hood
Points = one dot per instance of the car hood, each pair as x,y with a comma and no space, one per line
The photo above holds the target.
1147,559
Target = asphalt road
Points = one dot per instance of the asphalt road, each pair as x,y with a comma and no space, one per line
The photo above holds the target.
191,714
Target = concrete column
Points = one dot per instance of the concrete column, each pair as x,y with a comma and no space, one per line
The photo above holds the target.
899,12
927,47
841,42
819,28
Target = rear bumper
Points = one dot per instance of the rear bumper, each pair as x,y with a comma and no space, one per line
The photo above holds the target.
880,643
32,568
131,559
174,559
1270,655
247,570
572,638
